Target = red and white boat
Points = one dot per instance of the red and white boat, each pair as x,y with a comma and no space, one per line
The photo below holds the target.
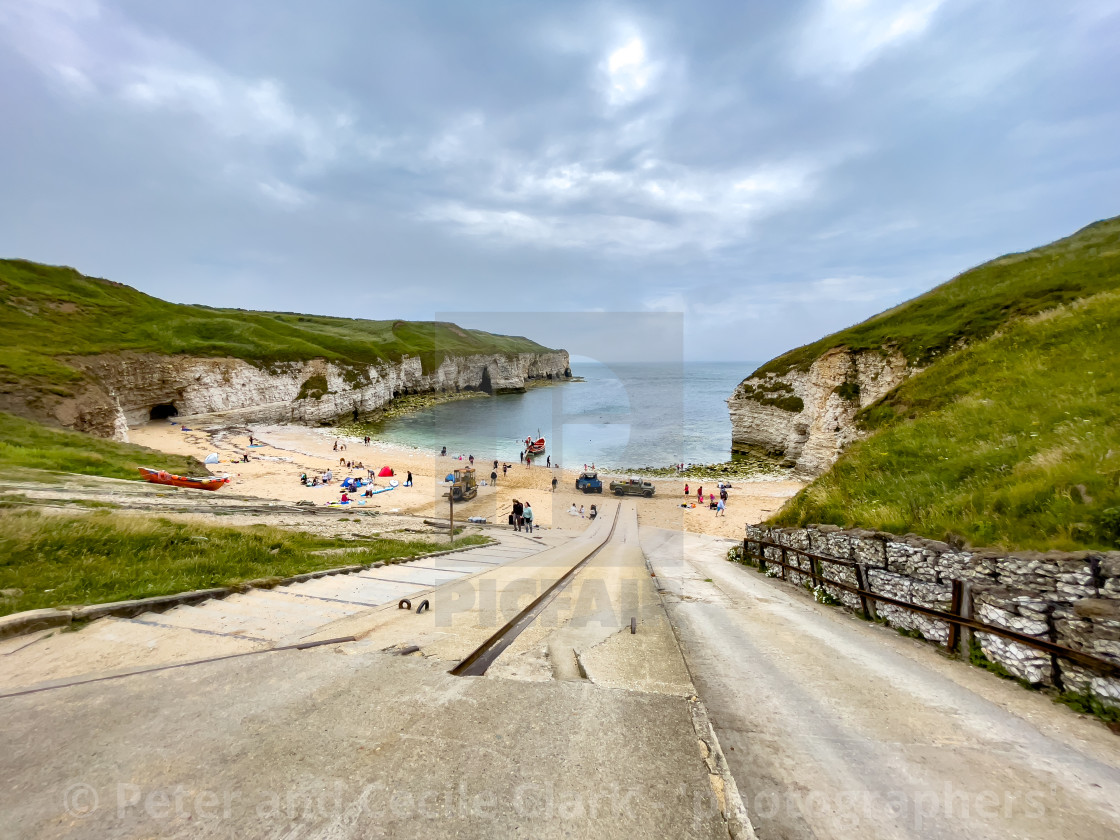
534,447
164,477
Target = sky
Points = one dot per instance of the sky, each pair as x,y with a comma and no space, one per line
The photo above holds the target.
770,171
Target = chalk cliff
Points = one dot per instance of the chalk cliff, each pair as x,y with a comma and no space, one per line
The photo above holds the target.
127,389
805,418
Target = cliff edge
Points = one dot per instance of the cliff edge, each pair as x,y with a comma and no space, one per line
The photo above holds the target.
806,407
98,356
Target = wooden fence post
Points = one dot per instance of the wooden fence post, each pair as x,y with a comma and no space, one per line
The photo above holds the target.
784,561
861,584
955,608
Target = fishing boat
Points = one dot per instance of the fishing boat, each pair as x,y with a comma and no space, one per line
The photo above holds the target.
164,477
534,447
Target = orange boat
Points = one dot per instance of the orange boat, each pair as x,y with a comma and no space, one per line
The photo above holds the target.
164,477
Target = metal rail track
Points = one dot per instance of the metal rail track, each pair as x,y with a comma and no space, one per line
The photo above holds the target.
476,663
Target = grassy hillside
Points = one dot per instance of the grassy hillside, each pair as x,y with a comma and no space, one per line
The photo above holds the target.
64,559
49,312
973,305
1013,441
26,445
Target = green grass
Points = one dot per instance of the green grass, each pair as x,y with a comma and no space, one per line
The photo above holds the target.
1013,442
68,560
49,314
26,445
975,304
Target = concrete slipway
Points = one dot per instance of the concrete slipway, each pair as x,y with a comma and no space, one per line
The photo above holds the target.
581,729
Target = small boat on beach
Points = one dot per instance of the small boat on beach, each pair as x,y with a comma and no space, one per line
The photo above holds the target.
534,447
164,477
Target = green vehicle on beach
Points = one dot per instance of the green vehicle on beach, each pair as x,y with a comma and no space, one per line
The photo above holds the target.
632,487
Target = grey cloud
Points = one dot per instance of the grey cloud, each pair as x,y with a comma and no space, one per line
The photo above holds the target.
774,171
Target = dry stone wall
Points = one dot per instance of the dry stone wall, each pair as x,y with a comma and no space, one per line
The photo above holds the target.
1072,599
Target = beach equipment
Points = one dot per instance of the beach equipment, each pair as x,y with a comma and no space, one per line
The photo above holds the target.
164,477
449,477
212,458
392,486
385,472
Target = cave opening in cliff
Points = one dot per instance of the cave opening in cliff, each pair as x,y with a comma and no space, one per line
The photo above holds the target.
485,385
163,411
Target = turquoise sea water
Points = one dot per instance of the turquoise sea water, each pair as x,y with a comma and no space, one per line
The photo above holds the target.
622,415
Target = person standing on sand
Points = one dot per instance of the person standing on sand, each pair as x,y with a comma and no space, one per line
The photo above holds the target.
720,508
548,462
472,460
408,481
336,446
528,514
554,484
504,468
528,460
522,456
494,476
518,511
700,495
686,489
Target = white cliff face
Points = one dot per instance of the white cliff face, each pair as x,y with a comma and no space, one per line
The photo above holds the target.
133,388
806,418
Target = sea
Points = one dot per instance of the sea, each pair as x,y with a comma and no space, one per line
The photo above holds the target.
616,416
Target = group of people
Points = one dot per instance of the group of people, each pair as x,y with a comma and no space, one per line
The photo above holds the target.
316,481
521,516
718,506
580,513
527,459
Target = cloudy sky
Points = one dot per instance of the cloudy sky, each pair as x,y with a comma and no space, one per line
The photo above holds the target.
773,170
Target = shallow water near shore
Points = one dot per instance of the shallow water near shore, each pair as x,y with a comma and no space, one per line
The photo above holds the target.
621,416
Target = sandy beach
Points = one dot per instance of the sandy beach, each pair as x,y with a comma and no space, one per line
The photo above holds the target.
283,453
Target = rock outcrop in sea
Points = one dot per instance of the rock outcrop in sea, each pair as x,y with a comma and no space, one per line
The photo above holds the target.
805,418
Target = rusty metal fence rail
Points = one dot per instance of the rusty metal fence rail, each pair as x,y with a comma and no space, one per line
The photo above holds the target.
957,619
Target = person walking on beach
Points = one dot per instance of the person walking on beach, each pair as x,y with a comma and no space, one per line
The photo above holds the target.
554,484
408,480
686,489
472,460
522,456
494,475
504,468
548,462
528,514
700,495
518,512
720,508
